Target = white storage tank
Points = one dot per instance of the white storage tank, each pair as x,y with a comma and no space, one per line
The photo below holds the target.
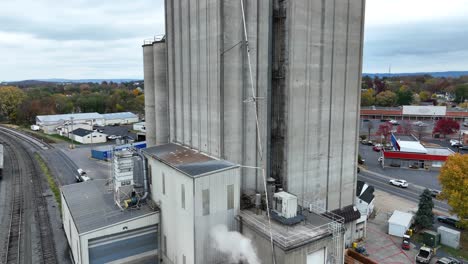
285,204
449,237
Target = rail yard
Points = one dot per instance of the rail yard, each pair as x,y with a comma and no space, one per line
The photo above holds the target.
25,229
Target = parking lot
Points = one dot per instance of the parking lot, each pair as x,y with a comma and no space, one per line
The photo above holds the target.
416,176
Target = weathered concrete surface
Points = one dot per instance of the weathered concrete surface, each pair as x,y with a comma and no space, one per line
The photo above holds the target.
148,74
161,93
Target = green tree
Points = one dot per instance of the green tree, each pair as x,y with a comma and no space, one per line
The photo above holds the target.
404,96
424,96
386,98
424,216
10,98
461,93
367,97
453,178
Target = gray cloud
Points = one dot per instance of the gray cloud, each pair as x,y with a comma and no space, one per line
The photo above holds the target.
102,39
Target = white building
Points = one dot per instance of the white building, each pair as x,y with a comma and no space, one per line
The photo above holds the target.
195,193
140,126
84,136
120,118
98,231
399,223
365,204
49,123
66,129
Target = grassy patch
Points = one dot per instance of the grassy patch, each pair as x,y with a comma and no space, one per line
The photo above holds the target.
50,180
62,138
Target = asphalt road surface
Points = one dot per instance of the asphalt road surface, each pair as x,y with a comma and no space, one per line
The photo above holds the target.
411,193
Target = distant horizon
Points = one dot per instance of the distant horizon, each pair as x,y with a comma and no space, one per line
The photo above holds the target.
465,72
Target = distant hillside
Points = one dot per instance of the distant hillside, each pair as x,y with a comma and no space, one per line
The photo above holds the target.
53,81
454,74
88,80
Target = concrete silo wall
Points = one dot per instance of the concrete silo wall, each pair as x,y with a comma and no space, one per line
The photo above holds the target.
148,64
161,93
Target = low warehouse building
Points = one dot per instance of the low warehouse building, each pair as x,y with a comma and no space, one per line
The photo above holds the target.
98,231
84,136
120,118
399,223
50,123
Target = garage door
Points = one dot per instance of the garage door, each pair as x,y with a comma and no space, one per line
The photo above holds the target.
130,245
318,257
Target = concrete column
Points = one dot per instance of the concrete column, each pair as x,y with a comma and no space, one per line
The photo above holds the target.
148,72
161,93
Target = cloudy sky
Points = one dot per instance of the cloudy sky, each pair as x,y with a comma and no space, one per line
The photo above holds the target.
102,39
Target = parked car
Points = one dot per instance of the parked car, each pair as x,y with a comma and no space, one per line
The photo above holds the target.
377,147
399,183
448,260
419,123
434,193
394,122
367,142
452,221
113,137
465,124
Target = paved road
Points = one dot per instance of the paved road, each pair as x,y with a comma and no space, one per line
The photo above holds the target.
411,193
419,177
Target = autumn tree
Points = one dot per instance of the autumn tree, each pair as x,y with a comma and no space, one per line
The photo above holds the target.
10,98
386,98
446,126
404,128
385,130
453,178
424,216
367,97
424,96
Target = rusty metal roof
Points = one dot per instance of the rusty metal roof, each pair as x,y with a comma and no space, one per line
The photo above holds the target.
188,161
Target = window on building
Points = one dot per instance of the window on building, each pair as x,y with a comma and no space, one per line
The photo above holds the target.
206,201
164,183
183,195
230,196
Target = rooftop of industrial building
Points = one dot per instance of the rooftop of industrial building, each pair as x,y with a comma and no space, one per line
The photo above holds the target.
84,116
188,161
92,206
314,227
439,151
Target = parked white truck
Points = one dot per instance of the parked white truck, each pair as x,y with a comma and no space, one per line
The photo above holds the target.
425,255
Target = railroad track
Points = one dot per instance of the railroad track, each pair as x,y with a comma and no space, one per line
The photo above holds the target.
13,246
47,246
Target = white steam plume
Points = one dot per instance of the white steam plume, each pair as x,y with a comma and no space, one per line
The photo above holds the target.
233,244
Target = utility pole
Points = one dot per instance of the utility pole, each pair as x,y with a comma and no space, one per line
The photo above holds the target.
72,139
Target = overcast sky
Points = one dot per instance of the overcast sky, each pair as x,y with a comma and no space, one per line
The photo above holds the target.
102,39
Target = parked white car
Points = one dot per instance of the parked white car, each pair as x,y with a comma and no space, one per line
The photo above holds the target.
419,123
393,122
399,183
454,142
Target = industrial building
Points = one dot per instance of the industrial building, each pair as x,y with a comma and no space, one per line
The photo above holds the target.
98,231
51,123
272,86
408,152
195,193
84,136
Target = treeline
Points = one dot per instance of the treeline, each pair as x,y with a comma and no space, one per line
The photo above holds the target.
21,105
406,90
